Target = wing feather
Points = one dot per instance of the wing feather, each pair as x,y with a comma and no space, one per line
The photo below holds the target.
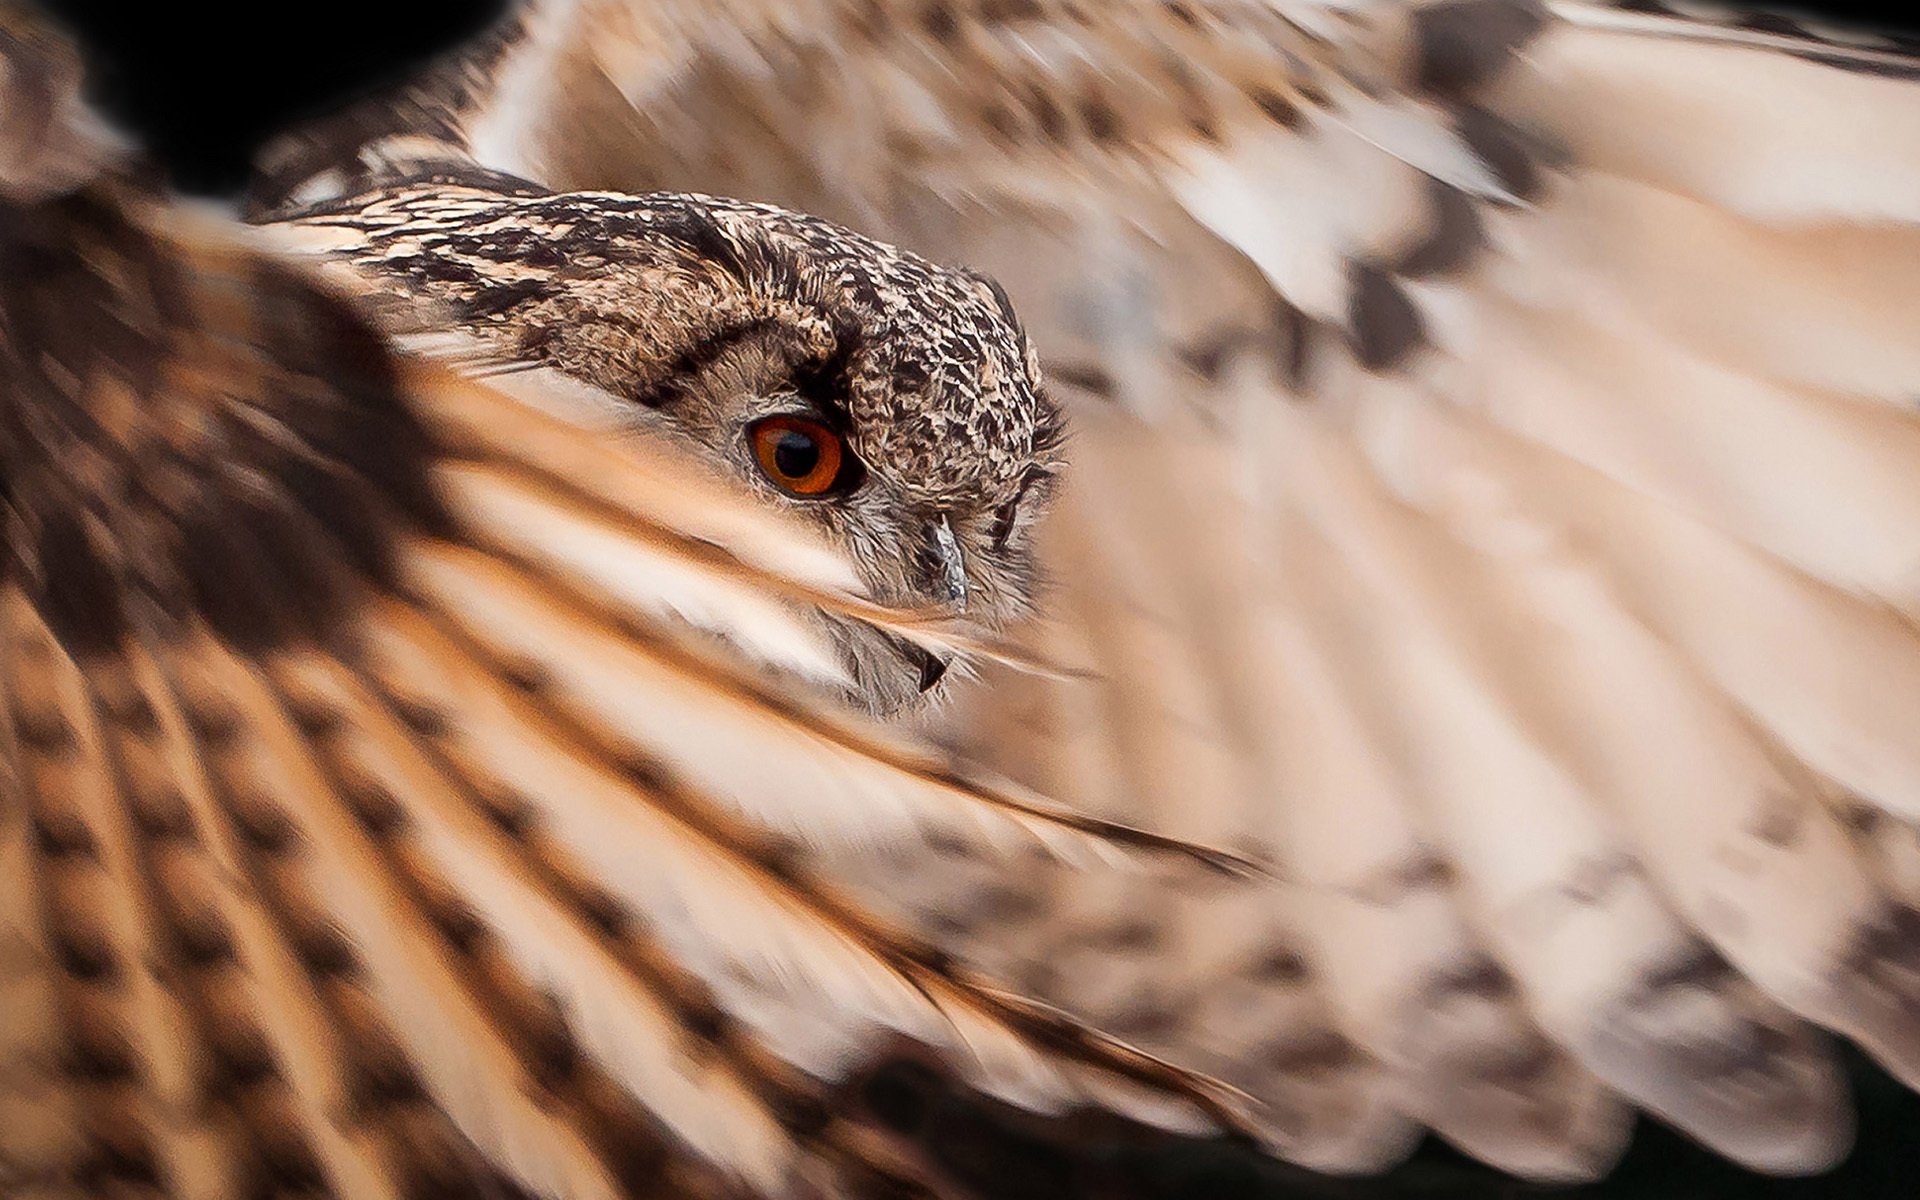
374,834
1496,485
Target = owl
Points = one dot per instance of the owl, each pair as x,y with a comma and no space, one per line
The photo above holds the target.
1294,571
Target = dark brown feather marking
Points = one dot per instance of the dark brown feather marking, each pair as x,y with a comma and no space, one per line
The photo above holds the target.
1505,150
115,309
1733,1062
1461,45
940,21
1282,110
1886,951
1454,234
1383,323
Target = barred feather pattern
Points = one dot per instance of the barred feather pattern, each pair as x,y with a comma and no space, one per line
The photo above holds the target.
362,834
1492,500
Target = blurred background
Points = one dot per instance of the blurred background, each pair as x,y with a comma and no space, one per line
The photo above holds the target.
203,85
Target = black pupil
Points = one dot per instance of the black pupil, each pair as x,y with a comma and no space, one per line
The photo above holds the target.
795,454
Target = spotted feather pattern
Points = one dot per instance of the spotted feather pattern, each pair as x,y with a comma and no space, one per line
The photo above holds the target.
1490,499
362,835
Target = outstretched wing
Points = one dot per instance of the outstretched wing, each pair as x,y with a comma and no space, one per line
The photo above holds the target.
1495,497
378,815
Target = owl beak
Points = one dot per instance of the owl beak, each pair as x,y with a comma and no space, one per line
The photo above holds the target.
949,565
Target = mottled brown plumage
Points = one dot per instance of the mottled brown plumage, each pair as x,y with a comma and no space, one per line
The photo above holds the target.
378,817
1491,503
699,316
1477,406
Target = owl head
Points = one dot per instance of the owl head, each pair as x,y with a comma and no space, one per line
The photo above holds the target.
892,402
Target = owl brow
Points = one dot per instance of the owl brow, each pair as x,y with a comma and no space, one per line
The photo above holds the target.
700,233
824,383
699,355
1005,515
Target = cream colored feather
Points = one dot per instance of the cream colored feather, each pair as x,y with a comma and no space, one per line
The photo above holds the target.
397,800
1494,503
1494,508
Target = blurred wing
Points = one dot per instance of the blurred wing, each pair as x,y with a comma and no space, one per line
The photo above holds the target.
376,813
1495,499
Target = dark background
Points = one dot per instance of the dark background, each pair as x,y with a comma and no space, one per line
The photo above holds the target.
203,85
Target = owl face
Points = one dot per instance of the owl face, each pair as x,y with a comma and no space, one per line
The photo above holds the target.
892,402
854,429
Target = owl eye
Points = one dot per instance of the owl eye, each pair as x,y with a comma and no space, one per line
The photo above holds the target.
801,456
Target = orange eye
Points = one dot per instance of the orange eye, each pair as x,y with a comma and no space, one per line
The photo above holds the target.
802,456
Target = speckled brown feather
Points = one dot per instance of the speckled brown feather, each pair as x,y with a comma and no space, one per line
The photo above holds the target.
596,285
692,316
350,850
1494,500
